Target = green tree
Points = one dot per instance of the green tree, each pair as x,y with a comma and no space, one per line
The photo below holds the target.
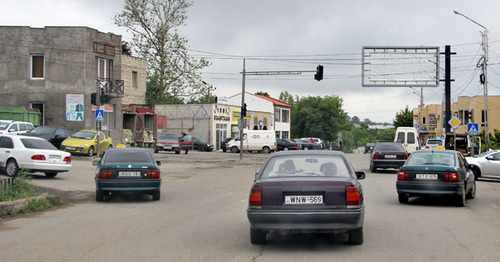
154,25
319,117
286,97
262,93
355,120
126,48
403,118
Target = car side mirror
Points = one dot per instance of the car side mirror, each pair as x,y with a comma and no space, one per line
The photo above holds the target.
95,162
158,163
490,158
360,175
256,175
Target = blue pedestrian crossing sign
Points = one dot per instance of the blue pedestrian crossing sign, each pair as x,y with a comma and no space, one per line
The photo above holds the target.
473,129
99,115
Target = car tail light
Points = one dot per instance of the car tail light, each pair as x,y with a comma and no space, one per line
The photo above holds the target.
153,174
255,200
67,159
375,156
405,156
352,197
105,174
427,147
38,157
403,176
450,177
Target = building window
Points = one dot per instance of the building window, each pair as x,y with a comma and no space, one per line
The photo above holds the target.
37,62
432,122
278,134
284,135
484,118
277,115
134,79
285,116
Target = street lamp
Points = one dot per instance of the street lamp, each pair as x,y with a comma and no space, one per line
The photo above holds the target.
484,65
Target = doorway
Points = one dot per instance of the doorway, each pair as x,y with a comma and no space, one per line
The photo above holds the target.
40,107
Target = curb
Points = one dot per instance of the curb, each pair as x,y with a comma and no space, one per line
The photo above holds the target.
12,208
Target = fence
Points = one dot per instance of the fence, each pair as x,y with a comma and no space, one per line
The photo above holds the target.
6,182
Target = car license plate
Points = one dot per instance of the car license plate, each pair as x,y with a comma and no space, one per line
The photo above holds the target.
54,157
299,200
167,147
426,176
70,148
129,174
390,156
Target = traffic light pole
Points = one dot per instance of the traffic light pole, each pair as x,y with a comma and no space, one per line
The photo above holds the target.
242,118
98,123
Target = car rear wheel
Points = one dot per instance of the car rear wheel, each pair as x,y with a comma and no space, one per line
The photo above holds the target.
257,236
472,193
460,200
99,196
234,149
306,148
373,169
355,237
156,195
91,151
266,150
178,152
285,149
50,174
156,150
403,198
477,172
11,169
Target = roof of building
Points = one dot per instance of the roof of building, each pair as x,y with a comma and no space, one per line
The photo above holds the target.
276,102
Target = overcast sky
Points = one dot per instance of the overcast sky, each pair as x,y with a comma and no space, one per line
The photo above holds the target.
299,35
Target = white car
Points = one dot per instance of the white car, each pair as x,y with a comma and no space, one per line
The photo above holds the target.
486,164
433,144
32,154
11,127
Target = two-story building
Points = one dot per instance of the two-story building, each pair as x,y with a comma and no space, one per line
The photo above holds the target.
55,69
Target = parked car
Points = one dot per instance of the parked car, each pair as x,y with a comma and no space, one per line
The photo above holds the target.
167,142
85,142
433,143
202,146
286,144
127,170
486,164
12,127
305,144
369,147
306,191
317,143
387,155
434,173
54,134
254,140
32,154
223,144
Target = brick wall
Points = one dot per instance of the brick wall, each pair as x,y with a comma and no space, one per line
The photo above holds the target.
134,95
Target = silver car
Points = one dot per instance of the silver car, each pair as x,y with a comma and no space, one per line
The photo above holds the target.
486,164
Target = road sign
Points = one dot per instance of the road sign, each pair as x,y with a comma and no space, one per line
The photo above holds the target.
454,122
473,129
99,115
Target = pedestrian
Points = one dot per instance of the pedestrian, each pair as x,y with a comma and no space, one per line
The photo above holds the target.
450,145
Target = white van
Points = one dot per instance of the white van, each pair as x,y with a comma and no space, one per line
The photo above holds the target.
254,140
408,136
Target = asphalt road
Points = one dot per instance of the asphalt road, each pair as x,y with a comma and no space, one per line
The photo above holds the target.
201,216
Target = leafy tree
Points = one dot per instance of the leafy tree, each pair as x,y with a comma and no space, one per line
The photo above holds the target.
403,118
355,120
126,48
319,117
262,93
286,97
154,25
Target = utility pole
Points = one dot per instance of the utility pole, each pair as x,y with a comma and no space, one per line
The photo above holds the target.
98,123
242,118
484,78
447,86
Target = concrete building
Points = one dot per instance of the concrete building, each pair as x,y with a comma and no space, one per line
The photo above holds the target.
430,122
55,69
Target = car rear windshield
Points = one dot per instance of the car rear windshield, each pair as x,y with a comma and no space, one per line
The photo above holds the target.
431,158
37,144
389,147
306,166
167,136
133,156
435,142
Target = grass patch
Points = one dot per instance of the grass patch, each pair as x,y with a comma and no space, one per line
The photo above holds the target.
37,205
22,188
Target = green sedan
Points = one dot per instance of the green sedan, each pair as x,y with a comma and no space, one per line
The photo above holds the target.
127,170
436,173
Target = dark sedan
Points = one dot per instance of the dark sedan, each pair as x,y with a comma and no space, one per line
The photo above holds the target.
305,144
286,144
307,192
436,173
127,170
54,134
387,155
202,146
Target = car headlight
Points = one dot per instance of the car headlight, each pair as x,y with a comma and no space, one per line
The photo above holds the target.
175,145
81,147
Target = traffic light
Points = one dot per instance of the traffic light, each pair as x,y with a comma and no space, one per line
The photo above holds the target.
244,110
93,99
470,115
319,73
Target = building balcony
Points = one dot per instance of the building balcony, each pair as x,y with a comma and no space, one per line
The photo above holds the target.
112,88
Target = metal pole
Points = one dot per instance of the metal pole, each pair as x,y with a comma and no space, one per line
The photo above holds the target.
447,86
485,71
241,113
97,123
